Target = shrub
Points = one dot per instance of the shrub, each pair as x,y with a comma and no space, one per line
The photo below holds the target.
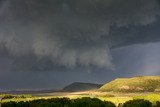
9,104
61,102
88,102
157,104
137,103
8,96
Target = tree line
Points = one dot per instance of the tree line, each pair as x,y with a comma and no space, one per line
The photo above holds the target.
80,102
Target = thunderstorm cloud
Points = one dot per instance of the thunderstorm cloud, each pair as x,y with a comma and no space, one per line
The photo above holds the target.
41,35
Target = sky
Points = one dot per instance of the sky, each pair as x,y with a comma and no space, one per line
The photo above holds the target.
50,44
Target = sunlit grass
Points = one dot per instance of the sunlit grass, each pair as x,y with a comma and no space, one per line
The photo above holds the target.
151,97
116,98
136,84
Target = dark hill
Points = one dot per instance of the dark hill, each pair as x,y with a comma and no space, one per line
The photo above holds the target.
78,86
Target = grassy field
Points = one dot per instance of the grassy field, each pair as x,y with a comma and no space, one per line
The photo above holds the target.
135,84
105,96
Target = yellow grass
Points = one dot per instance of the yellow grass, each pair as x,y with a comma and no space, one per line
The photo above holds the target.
105,96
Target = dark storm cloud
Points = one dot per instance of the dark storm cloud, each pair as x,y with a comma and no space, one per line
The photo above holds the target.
52,34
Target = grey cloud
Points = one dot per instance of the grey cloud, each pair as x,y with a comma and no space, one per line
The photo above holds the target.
44,35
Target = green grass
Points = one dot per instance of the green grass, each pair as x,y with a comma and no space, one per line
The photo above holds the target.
136,84
151,97
116,98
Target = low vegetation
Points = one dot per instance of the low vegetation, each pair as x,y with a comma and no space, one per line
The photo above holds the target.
10,96
151,97
79,102
61,102
136,84
137,103
116,98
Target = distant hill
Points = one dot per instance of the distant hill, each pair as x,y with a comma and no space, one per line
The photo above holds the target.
78,86
135,84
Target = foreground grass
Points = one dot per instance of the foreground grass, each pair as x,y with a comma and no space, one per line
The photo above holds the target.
62,102
116,98
79,102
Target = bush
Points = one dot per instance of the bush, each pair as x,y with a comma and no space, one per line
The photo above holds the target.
157,104
137,103
7,96
61,102
9,104
90,102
